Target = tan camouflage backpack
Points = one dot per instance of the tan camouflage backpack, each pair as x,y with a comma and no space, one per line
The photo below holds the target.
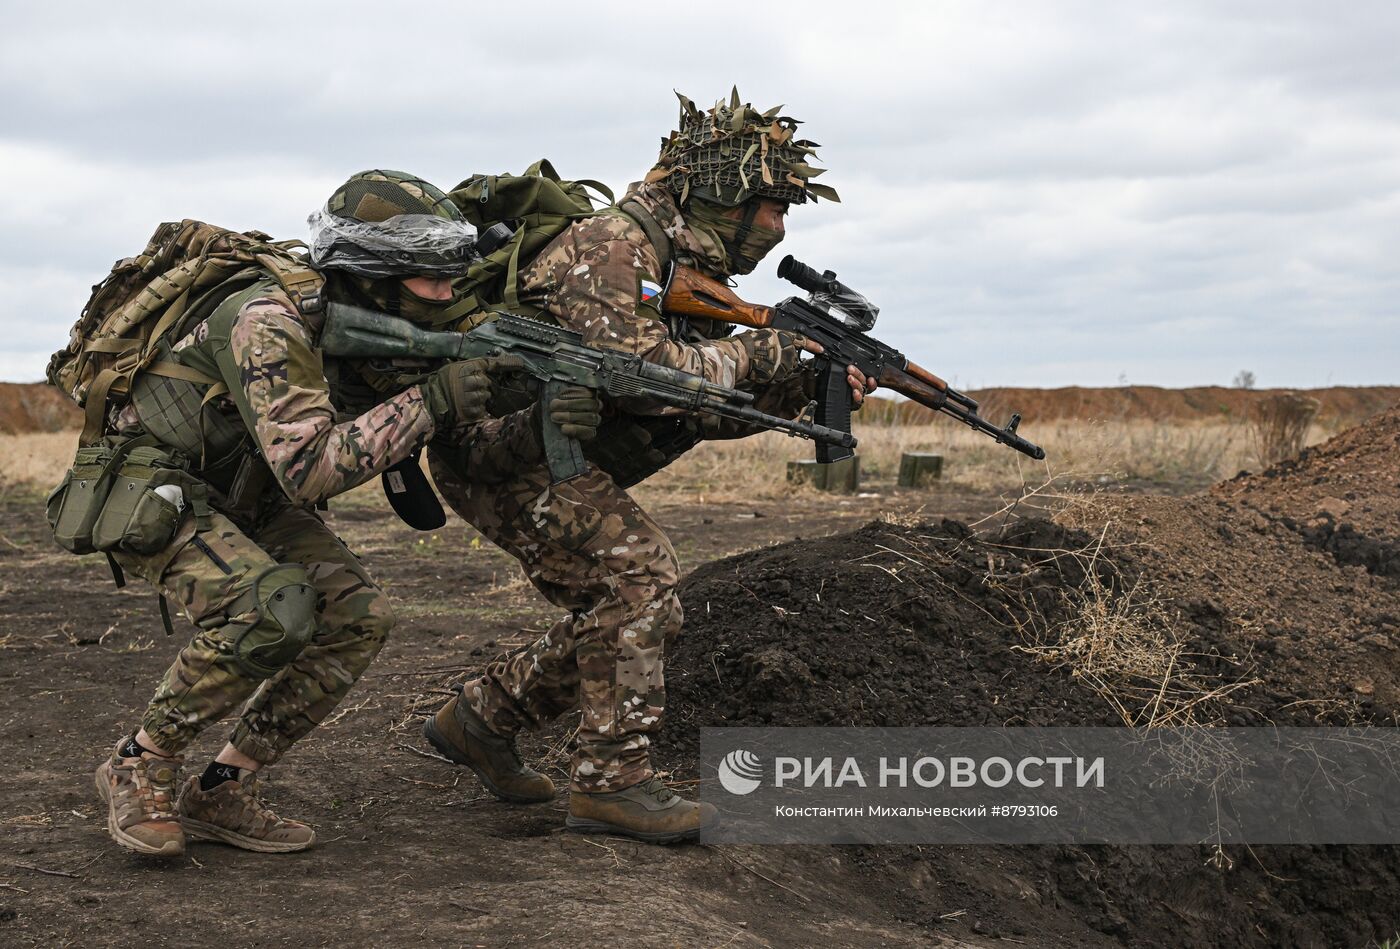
186,266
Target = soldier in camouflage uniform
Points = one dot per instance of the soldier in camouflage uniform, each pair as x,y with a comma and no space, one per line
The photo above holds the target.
288,619
715,201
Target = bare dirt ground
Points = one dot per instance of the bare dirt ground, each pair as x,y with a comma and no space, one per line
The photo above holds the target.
1274,596
412,852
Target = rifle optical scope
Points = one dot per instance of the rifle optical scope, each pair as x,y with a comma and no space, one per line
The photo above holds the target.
829,291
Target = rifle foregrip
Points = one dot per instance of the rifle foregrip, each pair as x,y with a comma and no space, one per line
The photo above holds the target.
563,454
833,410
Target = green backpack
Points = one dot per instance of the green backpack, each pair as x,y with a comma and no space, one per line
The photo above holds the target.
539,205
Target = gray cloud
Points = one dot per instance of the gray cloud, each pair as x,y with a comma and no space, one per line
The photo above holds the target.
1035,193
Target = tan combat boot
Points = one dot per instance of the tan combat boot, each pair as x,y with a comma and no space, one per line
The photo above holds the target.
139,793
233,813
461,735
649,811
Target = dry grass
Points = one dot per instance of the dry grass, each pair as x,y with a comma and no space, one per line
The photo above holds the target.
1180,454
1189,454
1279,424
1126,647
35,461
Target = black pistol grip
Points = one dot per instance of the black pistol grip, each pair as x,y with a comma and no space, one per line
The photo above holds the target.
563,454
833,409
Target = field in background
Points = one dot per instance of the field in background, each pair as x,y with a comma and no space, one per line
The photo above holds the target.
1168,455
35,460
1171,455
33,407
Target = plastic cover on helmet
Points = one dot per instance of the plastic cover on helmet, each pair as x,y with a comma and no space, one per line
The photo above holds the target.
403,245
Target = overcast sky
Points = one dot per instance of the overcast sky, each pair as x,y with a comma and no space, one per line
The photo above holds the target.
1038,193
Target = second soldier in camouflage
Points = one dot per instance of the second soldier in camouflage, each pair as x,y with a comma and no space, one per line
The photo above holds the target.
714,201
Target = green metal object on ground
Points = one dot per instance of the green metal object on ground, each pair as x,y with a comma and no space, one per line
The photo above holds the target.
917,469
838,477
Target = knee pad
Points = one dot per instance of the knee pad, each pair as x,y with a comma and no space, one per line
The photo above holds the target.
283,624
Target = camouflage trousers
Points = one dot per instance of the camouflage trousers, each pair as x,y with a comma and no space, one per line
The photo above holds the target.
205,574
588,547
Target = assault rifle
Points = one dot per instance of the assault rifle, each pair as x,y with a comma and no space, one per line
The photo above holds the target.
556,357
844,337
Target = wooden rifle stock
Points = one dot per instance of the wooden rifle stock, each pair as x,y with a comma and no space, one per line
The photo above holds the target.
918,384
924,376
691,293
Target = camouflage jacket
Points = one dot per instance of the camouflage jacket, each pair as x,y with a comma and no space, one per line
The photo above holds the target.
601,278
598,279
259,346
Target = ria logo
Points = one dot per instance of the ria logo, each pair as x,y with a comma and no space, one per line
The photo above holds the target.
739,772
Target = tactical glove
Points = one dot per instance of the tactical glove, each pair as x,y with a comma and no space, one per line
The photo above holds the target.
577,411
773,354
457,393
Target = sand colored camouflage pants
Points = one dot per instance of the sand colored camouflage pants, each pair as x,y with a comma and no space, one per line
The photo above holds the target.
205,574
588,547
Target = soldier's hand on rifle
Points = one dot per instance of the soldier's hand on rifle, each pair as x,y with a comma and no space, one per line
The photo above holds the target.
861,385
457,393
577,411
773,354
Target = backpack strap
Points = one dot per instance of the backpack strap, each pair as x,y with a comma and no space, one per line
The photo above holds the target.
95,406
665,252
133,357
512,289
656,234
297,280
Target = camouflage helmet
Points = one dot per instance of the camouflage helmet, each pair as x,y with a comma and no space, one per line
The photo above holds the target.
387,224
733,152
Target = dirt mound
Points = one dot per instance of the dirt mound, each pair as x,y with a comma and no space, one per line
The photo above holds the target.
33,407
1342,496
887,625
929,625
1341,405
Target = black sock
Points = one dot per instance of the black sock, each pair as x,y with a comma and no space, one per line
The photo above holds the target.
131,748
217,773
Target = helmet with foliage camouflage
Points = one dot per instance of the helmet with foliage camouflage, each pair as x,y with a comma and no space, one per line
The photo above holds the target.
387,224
733,152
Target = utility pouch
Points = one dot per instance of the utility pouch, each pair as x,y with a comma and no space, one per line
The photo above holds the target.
145,503
73,508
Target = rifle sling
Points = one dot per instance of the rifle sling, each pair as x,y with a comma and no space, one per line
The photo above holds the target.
655,233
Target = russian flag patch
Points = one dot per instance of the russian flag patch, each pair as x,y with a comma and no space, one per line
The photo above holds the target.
651,293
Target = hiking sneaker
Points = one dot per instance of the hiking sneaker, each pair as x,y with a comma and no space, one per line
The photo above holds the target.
462,736
234,814
140,793
649,811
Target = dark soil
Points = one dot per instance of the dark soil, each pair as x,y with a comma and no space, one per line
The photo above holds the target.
918,625
886,625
